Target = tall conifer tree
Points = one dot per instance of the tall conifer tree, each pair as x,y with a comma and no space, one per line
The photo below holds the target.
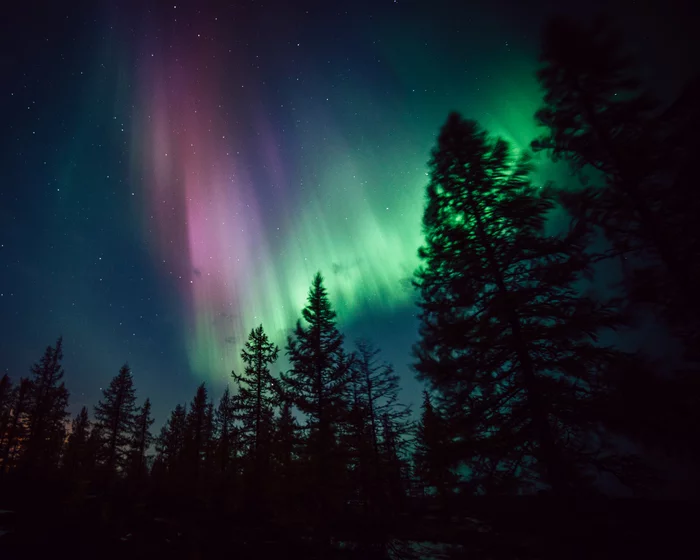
317,385
432,461
257,396
375,392
170,443
507,342
114,419
141,440
16,425
196,434
46,410
600,119
226,433
6,401
76,459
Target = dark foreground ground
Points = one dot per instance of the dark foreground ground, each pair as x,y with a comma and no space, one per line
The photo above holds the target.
514,528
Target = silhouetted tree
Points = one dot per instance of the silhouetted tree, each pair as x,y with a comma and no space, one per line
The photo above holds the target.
76,459
317,385
678,127
6,401
209,441
375,390
257,396
5,393
170,444
94,453
17,424
361,449
46,410
196,433
601,121
114,418
286,440
226,433
507,342
433,464
394,467
141,440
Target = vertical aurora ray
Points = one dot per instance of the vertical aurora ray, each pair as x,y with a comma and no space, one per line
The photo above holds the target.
199,206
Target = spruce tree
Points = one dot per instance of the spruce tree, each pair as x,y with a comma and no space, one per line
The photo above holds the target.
432,461
395,469
196,434
6,401
507,342
94,453
257,396
46,410
170,444
141,440
600,119
286,440
17,425
375,391
678,126
114,418
358,446
317,384
226,433
76,459
209,441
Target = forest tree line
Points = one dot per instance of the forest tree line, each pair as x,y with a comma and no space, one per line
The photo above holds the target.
521,393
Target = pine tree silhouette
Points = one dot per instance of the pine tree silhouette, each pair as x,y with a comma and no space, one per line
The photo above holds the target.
5,393
361,449
6,402
375,391
285,446
317,384
17,425
170,444
141,440
114,419
257,396
209,441
432,452
196,435
506,341
76,459
46,411
395,470
677,128
601,121
226,433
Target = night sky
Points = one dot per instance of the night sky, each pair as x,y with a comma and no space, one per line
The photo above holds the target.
173,174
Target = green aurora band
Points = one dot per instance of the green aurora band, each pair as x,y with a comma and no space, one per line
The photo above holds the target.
244,228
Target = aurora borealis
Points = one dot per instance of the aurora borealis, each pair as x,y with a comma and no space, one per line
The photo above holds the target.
175,173
244,211
242,262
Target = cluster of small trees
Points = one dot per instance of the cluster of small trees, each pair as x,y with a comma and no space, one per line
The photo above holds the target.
528,397
36,441
328,432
